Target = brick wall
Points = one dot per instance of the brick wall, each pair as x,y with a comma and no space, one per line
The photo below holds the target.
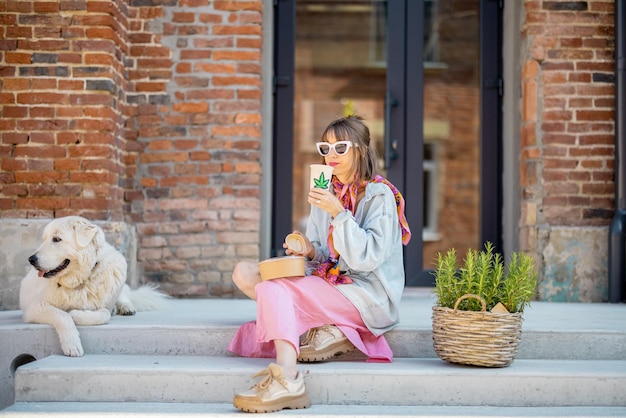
141,110
62,146
567,136
196,70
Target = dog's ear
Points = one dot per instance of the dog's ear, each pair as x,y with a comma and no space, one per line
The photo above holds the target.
84,233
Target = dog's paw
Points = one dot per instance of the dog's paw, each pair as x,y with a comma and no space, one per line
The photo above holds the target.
71,345
125,309
74,351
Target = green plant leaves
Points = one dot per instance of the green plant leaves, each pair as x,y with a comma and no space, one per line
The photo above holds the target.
321,182
519,287
446,280
483,273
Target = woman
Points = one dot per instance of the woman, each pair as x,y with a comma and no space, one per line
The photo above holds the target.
354,239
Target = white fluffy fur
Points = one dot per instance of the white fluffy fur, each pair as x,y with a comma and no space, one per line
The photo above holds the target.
88,290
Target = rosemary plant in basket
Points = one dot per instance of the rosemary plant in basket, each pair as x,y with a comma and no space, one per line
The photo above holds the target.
478,316
484,274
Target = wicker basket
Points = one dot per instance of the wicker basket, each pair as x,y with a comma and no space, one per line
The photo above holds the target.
475,338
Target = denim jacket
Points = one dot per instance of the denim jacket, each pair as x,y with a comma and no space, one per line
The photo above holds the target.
370,248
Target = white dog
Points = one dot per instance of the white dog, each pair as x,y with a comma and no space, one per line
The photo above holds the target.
79,279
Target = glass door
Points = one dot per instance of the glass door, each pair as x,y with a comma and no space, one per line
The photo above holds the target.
451,127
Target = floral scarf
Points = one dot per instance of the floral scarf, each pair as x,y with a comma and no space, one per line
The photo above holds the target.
347,194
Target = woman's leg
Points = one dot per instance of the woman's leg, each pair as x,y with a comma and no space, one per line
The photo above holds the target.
286,357
246,276
310,302
281,385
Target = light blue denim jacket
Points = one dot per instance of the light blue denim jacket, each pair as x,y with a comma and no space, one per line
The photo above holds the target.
370,248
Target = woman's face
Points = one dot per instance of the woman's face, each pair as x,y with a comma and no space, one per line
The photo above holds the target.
343,165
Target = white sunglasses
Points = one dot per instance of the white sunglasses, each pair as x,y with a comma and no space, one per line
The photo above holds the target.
340,147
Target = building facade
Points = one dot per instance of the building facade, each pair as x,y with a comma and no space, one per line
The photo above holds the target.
154,118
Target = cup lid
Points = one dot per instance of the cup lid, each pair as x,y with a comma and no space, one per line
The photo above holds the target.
295,242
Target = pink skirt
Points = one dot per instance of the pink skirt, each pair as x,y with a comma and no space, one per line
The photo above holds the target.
287,308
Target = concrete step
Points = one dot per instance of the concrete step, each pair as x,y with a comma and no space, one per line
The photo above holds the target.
204,327
570,355
210,410
405,382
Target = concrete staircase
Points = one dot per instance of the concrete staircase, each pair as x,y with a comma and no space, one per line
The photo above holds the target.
571,362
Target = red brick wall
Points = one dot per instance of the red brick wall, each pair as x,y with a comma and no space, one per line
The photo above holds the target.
196,70
142,110
567,130
63,145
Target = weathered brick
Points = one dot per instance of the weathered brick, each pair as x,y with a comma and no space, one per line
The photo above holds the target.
594,115
79,204
190,107
42,98
14,138
47,203
237,6
45,6
226,55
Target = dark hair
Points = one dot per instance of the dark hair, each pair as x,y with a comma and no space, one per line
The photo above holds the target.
352,128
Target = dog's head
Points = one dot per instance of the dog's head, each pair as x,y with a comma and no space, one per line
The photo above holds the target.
70,244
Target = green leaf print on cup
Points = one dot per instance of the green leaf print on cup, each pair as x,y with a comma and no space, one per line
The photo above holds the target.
321,176
321,182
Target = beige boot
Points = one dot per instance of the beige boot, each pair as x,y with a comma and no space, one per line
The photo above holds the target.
323,343
273,393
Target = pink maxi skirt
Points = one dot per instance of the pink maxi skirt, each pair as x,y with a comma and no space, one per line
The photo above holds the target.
287,308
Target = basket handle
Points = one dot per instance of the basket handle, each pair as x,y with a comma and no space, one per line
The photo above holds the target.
470,295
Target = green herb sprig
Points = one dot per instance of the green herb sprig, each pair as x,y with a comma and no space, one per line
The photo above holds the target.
483,273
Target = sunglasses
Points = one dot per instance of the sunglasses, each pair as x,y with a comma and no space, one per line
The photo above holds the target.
340,147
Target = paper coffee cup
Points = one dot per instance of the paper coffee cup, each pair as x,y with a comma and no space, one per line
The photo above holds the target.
321,174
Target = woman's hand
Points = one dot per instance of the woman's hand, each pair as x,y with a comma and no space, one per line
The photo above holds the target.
309,250
326,201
